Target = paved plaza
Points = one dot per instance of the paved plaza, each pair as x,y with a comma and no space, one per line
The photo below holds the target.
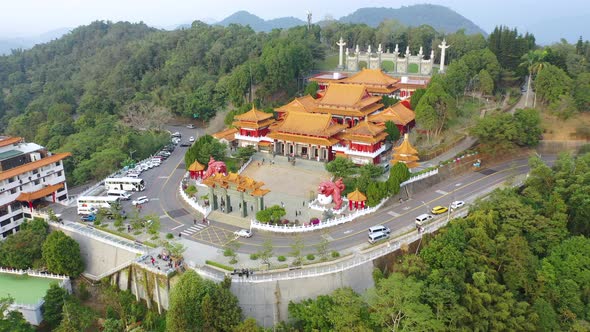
291,186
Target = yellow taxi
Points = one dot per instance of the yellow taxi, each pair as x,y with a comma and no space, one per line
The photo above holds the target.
439,209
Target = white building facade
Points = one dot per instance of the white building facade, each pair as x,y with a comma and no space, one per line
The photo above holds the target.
30,177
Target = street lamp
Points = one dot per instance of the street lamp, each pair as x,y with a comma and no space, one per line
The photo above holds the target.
131,154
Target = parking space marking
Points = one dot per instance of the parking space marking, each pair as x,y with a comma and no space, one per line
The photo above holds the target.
458,184
214,235
162,177
442,192
164,216
406,208
393,214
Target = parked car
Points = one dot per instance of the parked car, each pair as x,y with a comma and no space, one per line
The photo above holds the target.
190,126
421,219
191,139
439,210
89,217
140,200
176,134
185,144
457,204
243,233
164,153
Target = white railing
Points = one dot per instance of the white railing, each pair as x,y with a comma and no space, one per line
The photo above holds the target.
253,138
12,271
419,177
244,166
205,210
310,228
403,236
348,151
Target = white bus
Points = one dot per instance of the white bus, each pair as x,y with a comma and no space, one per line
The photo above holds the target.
126,183
90,204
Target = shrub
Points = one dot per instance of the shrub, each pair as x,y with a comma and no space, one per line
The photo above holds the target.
281,258
253,257
335,254
83,292
169,236
219,265
228,252
310,257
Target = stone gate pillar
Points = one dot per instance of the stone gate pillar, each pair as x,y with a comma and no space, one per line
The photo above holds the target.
213,198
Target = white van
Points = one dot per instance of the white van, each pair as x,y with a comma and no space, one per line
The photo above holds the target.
421,219
377,236
379,228
122,194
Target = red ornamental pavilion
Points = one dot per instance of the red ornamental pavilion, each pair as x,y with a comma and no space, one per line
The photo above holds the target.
356,199
196,170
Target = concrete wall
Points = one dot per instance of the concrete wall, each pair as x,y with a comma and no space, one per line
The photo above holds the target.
268,302
99,256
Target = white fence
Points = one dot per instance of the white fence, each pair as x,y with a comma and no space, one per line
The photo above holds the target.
310,228
244,166
419,177
205,210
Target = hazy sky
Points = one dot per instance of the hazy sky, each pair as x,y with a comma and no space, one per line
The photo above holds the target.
31,17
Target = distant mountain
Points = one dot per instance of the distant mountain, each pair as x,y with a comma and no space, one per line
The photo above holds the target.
6,45
439,17
257,24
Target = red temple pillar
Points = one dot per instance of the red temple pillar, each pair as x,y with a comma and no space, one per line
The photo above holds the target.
350,205
362,204
53,196
30,205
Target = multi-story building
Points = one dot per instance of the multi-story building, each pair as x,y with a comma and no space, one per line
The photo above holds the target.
30,176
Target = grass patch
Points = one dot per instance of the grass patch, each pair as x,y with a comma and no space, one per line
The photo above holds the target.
254,257
387,66
219,265
329,63
150,244
121,234
413,68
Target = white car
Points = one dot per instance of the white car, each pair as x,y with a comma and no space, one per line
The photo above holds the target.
457,204
243,233
190,126
140,200
191,139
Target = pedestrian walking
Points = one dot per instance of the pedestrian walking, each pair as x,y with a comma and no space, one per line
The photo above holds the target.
179,234
194,221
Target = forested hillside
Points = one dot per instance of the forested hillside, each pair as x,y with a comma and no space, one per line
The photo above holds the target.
518,262
104,91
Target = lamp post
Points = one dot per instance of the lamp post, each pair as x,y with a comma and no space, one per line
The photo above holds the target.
131,154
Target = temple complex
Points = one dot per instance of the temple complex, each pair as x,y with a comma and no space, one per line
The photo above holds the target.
363,143
306,135
405,153
403,117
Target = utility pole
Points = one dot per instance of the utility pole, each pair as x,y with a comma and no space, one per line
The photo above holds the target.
308,20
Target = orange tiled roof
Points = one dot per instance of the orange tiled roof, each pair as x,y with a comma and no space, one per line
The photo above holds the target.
347,95
301,104
409,163
10,140
356,196
29,197
196,167
365,132
253,115
398,114
405,148
254,125
307,124
33,165
227,134
373,77
363,139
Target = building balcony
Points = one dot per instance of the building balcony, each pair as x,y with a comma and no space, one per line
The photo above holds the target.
348,151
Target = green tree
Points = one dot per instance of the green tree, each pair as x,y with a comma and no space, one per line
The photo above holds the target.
551,83
185,311
341,167
204,148
528,122
248,325
12,320
416,96
434,109
23,249
53,306
581,92
392,131
75,317
311,89
266,252
62,254
296,252
400,172
486,83
395,305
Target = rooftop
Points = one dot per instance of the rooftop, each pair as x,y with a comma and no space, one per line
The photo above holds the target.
398,114
307,124
371,77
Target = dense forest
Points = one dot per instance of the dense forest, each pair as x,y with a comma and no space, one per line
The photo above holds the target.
518,262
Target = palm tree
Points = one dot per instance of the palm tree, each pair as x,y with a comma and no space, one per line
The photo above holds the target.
533,61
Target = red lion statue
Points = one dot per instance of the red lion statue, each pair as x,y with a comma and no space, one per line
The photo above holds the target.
214,168
334,189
